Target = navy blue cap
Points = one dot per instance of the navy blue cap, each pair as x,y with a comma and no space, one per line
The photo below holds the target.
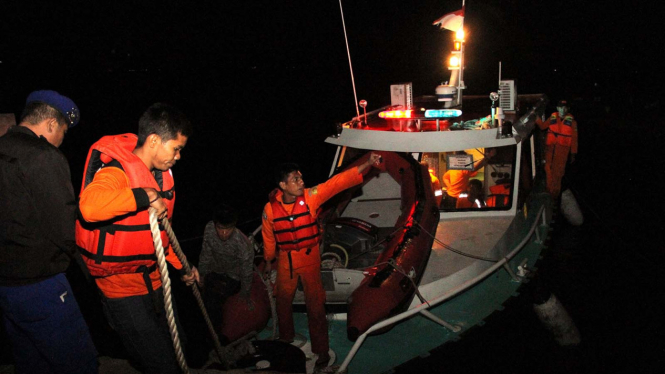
63,104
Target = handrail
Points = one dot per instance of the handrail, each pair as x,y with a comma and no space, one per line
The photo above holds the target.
430,304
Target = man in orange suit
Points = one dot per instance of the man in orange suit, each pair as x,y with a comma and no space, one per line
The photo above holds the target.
291,235
561,141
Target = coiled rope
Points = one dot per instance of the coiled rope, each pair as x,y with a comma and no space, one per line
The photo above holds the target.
168,303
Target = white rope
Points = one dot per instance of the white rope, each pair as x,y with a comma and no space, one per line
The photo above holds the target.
223,354
166,283
273,307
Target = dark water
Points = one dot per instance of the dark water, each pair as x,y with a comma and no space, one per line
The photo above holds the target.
268,88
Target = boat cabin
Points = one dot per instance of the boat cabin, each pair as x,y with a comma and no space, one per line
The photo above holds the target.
360,225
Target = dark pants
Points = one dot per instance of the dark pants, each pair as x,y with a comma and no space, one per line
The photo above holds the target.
449,202
46,329
218,288
143,329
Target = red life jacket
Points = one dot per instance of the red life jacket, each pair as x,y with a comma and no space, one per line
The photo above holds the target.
560,132
296,231
124,244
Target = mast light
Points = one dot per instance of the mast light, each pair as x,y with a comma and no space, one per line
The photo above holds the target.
453,63
459,35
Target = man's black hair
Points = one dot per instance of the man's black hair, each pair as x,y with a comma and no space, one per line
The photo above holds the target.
477,183
225,215
165,121
35,112
283,170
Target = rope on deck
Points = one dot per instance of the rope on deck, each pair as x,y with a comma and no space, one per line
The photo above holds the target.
166,282
273,306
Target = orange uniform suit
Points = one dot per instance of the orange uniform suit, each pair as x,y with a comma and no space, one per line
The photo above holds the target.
456,181
305,264
561,141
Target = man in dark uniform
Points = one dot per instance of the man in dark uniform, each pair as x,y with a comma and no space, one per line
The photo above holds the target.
37,214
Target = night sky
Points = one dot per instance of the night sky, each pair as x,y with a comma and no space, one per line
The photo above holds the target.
264,81
563,43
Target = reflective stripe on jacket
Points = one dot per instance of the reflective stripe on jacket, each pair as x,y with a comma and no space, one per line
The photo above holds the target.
560,131
296,231
123,244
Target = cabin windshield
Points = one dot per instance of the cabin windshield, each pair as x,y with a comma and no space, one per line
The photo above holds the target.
465,180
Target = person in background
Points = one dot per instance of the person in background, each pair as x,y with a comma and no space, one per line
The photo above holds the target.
457,181
125,175
561,141
291,235
499,194
472,197
37,214
226,263
436,184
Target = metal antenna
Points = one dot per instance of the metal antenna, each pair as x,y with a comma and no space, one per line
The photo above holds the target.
363,104
348,53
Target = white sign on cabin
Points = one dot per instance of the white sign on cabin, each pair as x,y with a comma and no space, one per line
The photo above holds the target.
459,162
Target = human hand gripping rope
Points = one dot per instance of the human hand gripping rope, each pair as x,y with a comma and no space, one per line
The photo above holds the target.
168,303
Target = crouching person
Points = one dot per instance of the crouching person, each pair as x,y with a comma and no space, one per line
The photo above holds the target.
226,263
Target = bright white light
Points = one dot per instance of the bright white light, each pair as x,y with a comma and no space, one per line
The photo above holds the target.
454,61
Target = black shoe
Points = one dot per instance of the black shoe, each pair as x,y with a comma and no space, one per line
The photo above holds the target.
322,361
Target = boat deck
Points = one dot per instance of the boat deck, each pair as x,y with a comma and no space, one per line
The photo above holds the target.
477,236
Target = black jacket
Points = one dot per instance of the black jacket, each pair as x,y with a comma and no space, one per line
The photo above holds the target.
37,209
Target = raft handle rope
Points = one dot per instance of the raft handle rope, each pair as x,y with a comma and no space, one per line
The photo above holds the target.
154,228
391,262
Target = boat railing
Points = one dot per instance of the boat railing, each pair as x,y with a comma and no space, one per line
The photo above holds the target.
423,308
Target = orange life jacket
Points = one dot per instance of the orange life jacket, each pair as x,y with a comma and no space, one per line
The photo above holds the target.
124,244
495,201
500,195
296,231
560,132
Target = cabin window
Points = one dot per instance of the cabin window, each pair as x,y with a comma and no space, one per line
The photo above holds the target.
463,181
348,155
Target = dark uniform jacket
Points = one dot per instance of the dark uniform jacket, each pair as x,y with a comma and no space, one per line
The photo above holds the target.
37,209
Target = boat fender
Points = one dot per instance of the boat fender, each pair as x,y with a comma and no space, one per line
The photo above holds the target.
570,209
556,319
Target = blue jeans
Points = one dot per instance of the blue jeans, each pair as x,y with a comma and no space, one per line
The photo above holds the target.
46,329
144,331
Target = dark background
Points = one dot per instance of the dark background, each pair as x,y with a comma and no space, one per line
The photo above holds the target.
265,81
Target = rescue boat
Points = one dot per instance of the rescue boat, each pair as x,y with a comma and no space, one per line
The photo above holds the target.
404,271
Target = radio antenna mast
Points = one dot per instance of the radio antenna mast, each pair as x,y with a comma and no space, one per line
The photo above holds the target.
348,53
